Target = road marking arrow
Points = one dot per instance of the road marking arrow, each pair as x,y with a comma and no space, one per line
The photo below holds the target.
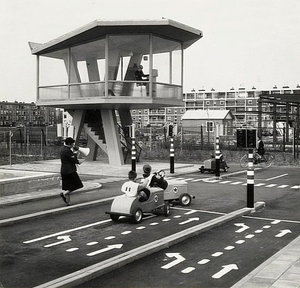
283,232
109,247
243,227
188,221
225,270
63,239
178,260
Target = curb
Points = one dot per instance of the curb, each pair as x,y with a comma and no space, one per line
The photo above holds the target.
50,195
81,276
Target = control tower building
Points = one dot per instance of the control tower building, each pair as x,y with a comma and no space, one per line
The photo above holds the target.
90,72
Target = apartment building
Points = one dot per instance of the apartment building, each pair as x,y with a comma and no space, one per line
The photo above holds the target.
16,113
244,103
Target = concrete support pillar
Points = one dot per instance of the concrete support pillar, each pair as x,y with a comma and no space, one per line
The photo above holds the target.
78,120
112,137
93,149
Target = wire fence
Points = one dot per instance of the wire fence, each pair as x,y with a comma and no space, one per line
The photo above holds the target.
23,144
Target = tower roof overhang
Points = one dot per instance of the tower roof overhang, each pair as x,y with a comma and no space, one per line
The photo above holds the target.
98,29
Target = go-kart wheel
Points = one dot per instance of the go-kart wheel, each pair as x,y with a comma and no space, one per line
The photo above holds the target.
137,216
202,169
114,217
167,208
225,169
185,199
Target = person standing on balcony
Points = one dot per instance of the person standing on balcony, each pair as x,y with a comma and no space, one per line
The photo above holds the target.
69,176
140,76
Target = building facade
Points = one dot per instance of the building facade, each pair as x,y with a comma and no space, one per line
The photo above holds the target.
243,103
16,113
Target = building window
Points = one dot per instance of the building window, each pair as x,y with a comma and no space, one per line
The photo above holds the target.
209,126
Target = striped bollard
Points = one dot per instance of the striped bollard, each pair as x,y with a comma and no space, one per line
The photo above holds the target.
217,156
133,150
172,155
250,180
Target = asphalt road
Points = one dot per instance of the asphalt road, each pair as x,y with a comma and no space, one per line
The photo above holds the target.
43,249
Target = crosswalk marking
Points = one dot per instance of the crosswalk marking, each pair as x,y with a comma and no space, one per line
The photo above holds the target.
260,184
211,180
283,186
236,183
271,185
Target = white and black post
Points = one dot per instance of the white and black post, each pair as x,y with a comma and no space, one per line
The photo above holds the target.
250,180
217,154
133,150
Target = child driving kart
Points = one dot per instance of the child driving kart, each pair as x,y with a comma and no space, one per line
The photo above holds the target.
155,179
133,189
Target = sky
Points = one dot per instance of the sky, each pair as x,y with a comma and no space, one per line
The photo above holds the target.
245,43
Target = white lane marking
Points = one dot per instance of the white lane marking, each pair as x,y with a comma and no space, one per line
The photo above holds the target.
283,186
203,261
189,179
225,270
236,183
190,212
92,243
178,260
126,232
189,220
249,236
271,185
72,249
229,248
217,254
240,242
109,247
67,231
259,184
283,232
110,237
243,227
282,175
64,239
188,270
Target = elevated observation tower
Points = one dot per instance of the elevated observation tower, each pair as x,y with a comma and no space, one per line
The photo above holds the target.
90,72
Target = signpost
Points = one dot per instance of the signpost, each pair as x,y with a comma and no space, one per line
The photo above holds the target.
246,138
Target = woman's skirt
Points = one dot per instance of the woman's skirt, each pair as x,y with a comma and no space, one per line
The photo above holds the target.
71,182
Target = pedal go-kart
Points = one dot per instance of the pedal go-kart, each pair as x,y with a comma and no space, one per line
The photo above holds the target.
135,209
210,166
177,191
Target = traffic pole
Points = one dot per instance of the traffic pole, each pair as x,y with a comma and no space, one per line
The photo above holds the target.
217,156
133,150
172,155
250,180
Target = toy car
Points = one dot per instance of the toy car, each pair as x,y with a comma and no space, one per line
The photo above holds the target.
135,209
210,166
177,191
